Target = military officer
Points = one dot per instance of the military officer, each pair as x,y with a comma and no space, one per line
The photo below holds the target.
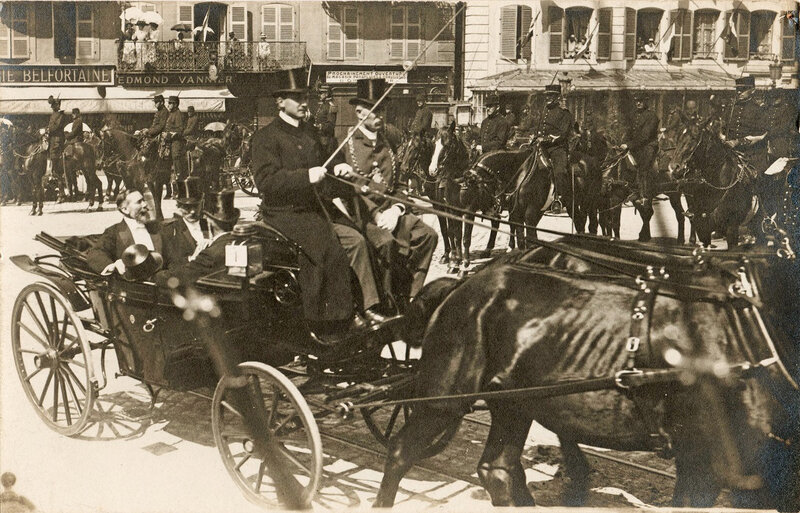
55,134
746,125
76,132
423,118
287,160
159,118
324,119
162,165
403,242
642,142
192,129
556,130
495,129
174,128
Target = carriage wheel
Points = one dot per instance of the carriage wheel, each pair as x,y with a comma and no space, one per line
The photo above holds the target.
53,358
294,432
246,183
385,422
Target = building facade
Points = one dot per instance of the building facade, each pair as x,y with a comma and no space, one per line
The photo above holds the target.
676,49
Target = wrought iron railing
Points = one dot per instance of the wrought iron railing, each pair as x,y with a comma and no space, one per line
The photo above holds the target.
142,56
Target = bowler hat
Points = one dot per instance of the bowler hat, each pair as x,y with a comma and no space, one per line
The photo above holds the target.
745,83
219,206
140,262
368,91
290,81
552,89
158,98
188,191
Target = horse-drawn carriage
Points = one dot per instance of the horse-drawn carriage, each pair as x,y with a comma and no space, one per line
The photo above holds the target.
234,329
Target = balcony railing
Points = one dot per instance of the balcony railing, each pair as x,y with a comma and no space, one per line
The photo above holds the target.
240,56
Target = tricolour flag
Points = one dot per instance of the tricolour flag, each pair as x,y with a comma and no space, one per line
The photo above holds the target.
731,36
205,24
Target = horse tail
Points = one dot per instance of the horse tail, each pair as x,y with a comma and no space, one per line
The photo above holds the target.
421,310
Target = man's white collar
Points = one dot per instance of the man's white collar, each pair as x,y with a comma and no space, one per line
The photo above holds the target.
289,119
132,223
368,133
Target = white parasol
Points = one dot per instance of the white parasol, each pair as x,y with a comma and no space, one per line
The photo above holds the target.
68,127
152,17
216,126
131,14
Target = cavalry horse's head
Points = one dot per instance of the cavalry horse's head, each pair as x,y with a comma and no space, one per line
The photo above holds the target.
450,156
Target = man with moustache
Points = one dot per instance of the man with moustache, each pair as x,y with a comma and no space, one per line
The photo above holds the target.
287,159
186,234
136,227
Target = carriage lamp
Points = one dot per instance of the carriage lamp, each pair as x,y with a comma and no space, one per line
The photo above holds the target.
244,256
775,72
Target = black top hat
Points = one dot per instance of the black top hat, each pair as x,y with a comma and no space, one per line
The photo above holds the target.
219,206
188,191
140,262
368,91
552,89
291,81
745,83
174,99
158,98
492,99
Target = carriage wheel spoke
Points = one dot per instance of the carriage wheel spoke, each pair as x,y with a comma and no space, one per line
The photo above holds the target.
64,397
44,314
29,308
74,377
30,376
392,352
73,362
231,409
406,412
289,456
242,462
392,420
54,320
44,389
34,335
55,397
28,351
260,477
283,423
68,380
273,407
62,337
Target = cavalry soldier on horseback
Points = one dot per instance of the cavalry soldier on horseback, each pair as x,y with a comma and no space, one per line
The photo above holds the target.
556,130
324,119
173,129
192,129
495,129
76,131
403,244
423,118
287,160
55,136
642,143
746,127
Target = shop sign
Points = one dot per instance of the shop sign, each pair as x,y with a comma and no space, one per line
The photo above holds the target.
150,79
351,76
11,75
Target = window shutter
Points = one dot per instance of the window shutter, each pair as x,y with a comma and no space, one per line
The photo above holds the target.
20,30
787,41
682,40
352,41
286,13
604,33
508,32
237,19
335,51
525,15
414,33
5,41
630,33
269,22
397,33
742,23
186,14
84,40
555,20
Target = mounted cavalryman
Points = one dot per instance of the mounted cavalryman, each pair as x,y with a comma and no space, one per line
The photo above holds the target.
173,129
495,129
555,133
642,143
746,127
423,118
55,135
324,119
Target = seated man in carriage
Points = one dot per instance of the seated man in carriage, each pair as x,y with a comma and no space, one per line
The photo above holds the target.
186,234
136,227
403,244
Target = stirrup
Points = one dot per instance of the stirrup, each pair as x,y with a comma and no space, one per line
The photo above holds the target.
556,207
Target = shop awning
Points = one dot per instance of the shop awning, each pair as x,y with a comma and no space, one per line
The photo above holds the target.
611,80
33,100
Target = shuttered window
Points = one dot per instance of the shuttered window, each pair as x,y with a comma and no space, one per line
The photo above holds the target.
630,33
277,22
682,38
555,23
741,20
406,33
237,21
14,38
186,14
344,37
761,23
86,45
515,22
787,41
705,34
604,33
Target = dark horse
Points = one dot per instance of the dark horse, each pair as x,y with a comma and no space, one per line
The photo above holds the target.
32,159
130,163
206,159
714,176
557,315
81,156
415,157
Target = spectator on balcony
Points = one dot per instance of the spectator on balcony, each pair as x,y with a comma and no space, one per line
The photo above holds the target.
234,56
150,47
650,49
179,43
139,38
127,47
265,60
572,46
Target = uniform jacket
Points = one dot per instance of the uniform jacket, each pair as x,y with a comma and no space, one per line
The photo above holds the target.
76,133
178,242
747,118
495,132
281,157
175,123
110,246
643,130
325,119
422,120
192,126
159,122
55,126
376,162
557,122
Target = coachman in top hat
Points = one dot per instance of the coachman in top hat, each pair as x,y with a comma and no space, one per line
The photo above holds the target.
287,160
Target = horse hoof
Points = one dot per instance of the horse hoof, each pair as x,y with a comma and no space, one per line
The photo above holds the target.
40,213
99,208
444,260
452,270
465,263
32,213
462,273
